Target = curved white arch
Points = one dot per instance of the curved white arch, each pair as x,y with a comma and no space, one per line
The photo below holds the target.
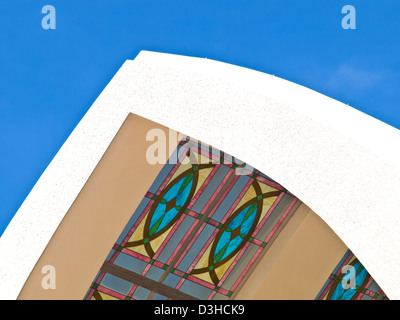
342,163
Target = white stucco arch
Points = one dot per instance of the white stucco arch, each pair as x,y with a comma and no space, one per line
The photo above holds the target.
342,163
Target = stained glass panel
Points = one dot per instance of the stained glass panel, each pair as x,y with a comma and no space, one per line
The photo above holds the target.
350,281
197,232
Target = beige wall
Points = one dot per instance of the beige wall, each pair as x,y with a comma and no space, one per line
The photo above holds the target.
88,231
299,261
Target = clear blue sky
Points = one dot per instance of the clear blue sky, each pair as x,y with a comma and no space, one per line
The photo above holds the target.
49,78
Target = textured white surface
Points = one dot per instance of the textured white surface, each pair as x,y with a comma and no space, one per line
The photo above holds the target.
339,161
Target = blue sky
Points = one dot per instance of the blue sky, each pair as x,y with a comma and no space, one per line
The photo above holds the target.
50,78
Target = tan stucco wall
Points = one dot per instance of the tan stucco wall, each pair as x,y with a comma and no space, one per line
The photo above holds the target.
299,261
100,212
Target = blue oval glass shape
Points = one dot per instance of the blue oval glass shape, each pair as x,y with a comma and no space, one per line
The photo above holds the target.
226,245
180,192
